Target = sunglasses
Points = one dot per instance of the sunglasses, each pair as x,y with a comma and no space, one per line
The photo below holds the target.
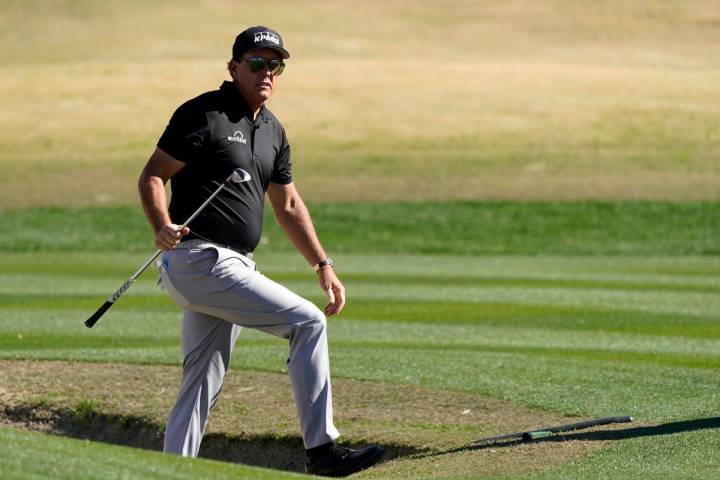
258,64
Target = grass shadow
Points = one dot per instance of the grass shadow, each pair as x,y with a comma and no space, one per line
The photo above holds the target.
596,435
85,422
616,434
649,431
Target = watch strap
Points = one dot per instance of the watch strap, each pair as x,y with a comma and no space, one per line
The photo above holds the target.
323,263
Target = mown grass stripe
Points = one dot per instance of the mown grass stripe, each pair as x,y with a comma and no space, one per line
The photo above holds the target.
710,285
510,315
33,341
82,301
594,355
681,303
556,317
452,227
678,269
490,281
588,354
14,344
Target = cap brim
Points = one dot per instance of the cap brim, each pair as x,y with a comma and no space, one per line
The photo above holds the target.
283,53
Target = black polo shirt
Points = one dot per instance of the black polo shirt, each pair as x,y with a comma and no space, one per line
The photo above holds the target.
213,134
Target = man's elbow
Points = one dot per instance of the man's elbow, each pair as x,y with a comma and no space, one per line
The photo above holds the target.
148,180
291,208
144,180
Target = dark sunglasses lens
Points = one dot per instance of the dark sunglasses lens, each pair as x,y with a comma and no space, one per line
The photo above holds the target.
276,67
258,64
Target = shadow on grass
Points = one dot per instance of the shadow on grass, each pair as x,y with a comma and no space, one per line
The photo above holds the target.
623,434
615,434
86,422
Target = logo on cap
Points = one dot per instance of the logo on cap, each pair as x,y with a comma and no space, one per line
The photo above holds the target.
266,37
237,137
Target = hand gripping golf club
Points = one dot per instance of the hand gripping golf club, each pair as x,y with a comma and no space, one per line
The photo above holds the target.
237,176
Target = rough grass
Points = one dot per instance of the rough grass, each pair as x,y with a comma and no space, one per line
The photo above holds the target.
509,100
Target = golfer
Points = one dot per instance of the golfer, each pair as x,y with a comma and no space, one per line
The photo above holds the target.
208,269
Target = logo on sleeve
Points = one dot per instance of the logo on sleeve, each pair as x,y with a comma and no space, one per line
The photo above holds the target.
237,137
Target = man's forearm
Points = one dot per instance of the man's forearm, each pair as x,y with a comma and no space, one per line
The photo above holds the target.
154,201
295,221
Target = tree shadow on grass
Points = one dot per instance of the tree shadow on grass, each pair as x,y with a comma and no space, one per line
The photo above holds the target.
85,422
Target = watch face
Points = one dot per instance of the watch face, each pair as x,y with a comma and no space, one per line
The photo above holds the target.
324,263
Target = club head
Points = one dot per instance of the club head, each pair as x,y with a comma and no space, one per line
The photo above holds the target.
240,176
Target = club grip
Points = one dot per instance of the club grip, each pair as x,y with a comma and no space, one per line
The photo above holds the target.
96,316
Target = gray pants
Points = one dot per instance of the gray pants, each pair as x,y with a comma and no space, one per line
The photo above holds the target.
221,292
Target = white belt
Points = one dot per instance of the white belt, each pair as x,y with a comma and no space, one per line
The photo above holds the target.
199,243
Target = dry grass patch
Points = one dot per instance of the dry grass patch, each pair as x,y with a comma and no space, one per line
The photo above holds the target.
476,99
255,423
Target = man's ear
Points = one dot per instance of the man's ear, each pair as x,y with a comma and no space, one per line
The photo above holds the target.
231,68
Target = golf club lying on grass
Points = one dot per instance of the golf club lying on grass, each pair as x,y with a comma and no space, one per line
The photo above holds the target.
237,176
545,432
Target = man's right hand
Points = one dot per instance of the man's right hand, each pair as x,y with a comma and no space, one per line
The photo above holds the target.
169,236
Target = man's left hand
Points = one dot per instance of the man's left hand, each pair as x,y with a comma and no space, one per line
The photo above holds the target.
333,289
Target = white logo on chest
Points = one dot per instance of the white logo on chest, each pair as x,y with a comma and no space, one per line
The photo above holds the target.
237,137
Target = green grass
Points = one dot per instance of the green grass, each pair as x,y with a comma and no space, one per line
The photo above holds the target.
460,228
631,338
64,458
624,322
641,454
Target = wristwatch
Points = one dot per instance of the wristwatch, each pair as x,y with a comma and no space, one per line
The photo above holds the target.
323,263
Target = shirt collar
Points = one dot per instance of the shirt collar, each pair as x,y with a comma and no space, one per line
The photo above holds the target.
228,88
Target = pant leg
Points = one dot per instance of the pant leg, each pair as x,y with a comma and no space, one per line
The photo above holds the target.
207,344
223,284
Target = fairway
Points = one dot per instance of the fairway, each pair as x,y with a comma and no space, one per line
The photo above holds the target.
522,340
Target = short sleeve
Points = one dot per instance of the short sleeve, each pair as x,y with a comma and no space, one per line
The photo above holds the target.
185,135
282,169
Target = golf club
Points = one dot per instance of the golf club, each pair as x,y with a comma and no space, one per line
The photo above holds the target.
545,431
237,176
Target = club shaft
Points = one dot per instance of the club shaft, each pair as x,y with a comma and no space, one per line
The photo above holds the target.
205,203
540,432
587,424
190,219
90,322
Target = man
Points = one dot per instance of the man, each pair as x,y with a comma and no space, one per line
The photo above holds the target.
208,268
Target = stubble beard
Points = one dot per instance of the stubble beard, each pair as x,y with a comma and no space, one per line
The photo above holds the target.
253,96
